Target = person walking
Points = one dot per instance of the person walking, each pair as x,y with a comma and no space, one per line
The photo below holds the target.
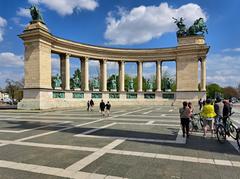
108,107
184,116
88,105
91,105
208,116
102,107
191,108
200,104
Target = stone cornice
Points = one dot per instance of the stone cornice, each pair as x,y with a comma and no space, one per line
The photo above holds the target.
194,46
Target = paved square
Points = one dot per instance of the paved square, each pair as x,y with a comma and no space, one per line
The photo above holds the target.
134,142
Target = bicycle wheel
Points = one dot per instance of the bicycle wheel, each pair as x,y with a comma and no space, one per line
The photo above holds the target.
238,138
233,131
221,133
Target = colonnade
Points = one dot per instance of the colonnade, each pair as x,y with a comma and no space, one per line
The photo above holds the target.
65,74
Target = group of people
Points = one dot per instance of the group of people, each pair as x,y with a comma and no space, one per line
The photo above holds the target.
103,107
211,112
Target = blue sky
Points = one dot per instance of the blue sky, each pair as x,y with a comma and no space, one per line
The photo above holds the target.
125,23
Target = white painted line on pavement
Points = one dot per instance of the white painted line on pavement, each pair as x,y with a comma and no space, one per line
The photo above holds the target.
147,112
96,129
92,157
52,171
150,122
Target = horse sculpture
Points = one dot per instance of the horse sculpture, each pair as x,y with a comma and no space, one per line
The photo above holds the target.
198,26
35,13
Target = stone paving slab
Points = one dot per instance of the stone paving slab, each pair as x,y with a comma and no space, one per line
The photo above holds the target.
139,131
59,158
11,136
68,146
195,147
6,173
66,138
142,168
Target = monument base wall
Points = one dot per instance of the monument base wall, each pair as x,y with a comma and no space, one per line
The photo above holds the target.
52,99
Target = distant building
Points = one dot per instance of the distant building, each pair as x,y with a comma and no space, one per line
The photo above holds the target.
3,95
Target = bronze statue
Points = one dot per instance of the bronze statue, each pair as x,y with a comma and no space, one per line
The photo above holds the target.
181,27
198,26
36,15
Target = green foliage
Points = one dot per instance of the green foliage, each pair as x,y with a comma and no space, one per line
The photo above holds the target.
214,90
14,89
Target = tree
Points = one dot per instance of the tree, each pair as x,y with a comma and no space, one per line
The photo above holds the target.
214,90
229,92
77,73
168,79
14,89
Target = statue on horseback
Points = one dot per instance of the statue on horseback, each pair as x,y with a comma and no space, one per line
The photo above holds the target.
198,26
182,30
35,13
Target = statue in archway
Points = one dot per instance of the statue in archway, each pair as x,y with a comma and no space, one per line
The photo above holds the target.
149,85
76,82
35,13
57,81
95,84
130,85
113,84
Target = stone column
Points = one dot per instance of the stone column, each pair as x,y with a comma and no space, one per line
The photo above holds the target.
82,73
103,74
65,71
139,73
121,76
203,74
158,75
85,73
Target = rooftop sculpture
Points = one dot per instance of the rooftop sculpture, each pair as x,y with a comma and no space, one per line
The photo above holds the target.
198,26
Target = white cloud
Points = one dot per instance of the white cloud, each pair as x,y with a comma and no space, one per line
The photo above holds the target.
8,59
23,12
67,7
112,66
149,64
223,70
3,23
144,23
231,50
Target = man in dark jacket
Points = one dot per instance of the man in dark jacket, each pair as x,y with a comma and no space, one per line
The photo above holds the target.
102,107
226,111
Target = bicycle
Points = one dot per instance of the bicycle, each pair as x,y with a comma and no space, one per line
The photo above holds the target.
229,129
196,122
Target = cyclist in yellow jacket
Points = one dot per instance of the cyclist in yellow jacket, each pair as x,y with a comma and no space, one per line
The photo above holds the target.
208,115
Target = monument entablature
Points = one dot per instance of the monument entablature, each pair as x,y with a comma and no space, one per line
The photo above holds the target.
39,93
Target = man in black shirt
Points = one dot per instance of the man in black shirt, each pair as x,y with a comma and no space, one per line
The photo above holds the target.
102,107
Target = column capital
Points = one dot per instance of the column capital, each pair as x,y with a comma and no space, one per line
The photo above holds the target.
68,55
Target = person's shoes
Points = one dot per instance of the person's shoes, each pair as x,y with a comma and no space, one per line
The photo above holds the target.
204,135
188,136
183,135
